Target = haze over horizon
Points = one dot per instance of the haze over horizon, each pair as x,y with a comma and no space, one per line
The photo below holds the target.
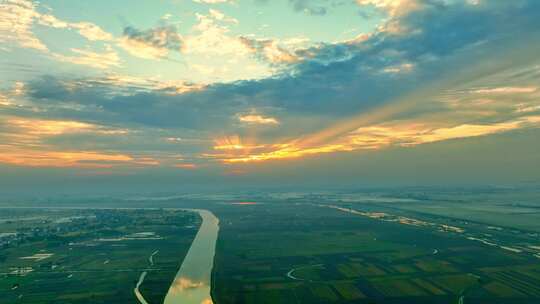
225,94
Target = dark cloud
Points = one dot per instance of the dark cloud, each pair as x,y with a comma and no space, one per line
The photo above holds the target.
308,7
163,37
152,108
280,55
315,7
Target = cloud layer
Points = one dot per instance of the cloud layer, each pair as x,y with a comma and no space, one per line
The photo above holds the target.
433,71
152,43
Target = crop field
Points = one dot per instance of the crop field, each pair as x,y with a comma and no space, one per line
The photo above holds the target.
92,256
313,248
307,253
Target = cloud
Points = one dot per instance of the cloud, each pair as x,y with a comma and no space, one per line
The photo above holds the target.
270,51
219,16
212,36
24,144
315,7
429,62
150,103
521,108
89,30
186,166
308,7
93,59
380,137
41,127
392,7
81,159
381,91
400,68
19,17
4,101
235,143
8,96
155,43
210,49
335,81
365,60
257,119
121,84
411,134
31,133
506,90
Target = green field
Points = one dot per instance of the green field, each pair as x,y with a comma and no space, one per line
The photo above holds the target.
303,253
92,256
395,248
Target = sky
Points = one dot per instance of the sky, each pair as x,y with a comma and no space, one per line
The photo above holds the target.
201,94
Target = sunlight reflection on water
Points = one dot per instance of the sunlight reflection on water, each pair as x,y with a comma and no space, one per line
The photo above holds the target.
192,283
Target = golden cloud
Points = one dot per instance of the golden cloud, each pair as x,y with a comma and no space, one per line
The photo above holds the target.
406,134
61,159
258,119
42,127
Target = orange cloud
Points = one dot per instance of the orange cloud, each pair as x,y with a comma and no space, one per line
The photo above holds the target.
4,100
186,166
57,127
146,161
286,153
45,158
232,143
506,90
59,159
24,145
258,119
49,127
376,137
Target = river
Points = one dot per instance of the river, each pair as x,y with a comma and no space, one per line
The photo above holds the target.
192,284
